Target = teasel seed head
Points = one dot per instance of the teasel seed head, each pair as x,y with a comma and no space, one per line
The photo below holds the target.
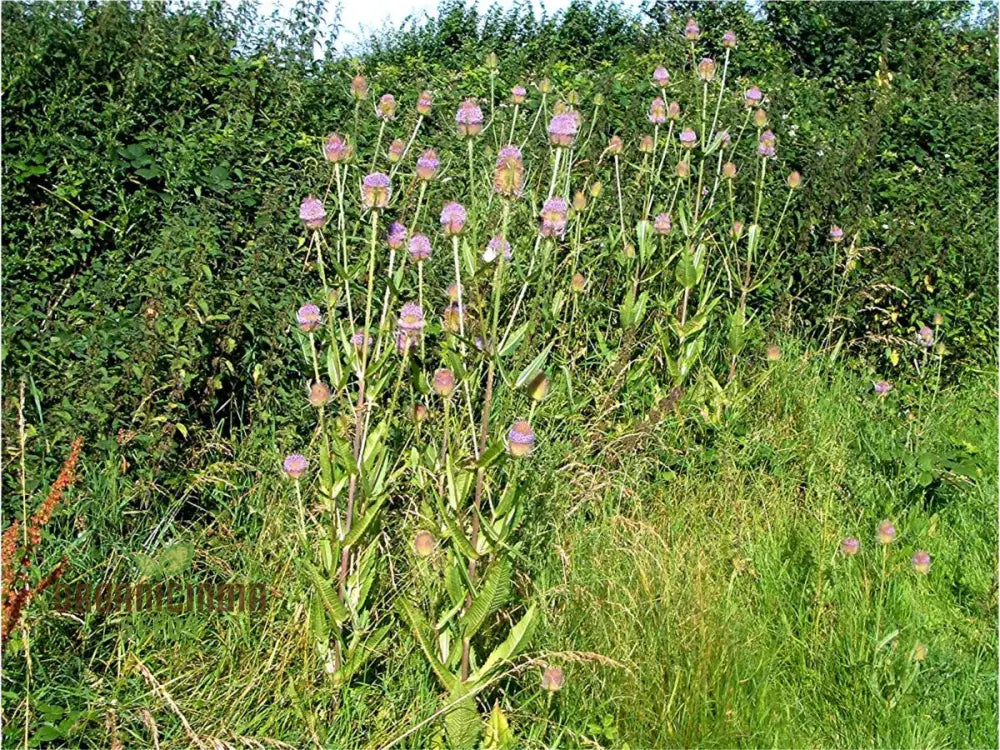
295,465
850,546
319,394
886,533
444,383
309,318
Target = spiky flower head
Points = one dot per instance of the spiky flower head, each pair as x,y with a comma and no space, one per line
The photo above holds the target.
765,146
520,439
661,77
538,388
722,137
836,234
453,218
563,127
427,165
553,679
420,413
886,533
359,339
396,236
938,319
424,103
919,652
794,179
420,247
411,318
882,387
691,31
469,118
657,111
753,96
554,215
337,149
319,394
850,546
673,111
772,353
683,169
925,337
921,562
495,247
386,108
404,341
375,190
646,144
359,87
688,138
454,291
706,69
396,149
545,86
736,230
760,118
309,318
518,94
595,189
729,39
662,224
444,383
729,170
312,213
578,283
508,175
451,318
424,543
491,60
615,145
295,465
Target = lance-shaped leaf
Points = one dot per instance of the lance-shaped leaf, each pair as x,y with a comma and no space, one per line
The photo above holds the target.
516,640
458,536
492,595
324,589
461,720
358,654
534,367
421,631
361,525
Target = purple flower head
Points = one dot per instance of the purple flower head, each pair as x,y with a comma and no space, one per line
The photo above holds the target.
765,147
375,190
553,679
662,224
520,439
925,337
836,233
424,103
411,318
387,107
518,94
359,87
706,69
312,213
444,383
336,149
886,532
397,235
404,340
562,129
660,76
508,175
469,118
295,465
850,546
396,150
554,215
454,291
359,339
752,96
688,138
729,39
495,247
420,247
308,318
921,562
427,165
691,31
723,137
882,387
452,318
657,111
453,218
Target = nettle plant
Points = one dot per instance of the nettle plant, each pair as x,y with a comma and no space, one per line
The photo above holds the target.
426,420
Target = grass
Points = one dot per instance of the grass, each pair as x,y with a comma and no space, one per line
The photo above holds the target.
692,589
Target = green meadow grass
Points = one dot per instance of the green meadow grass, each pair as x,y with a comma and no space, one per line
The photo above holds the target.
689,574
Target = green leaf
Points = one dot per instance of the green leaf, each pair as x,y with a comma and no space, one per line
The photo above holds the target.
492,595
461,720
327,595
421,630
361,525
532,369
456,533
514,340
516,640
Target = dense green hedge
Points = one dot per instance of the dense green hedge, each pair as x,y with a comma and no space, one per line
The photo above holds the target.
153,161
